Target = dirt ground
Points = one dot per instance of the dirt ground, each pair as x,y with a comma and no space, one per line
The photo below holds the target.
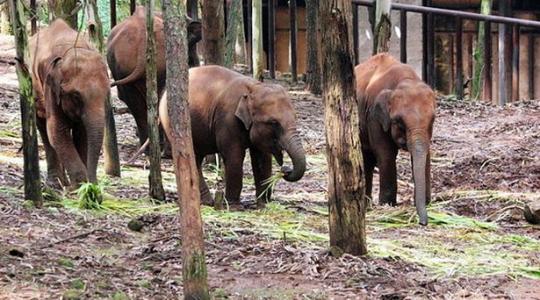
484,159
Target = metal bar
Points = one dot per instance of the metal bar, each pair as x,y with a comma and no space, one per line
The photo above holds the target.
271,38
470,53
356,42
292,30
132,5
33,16
113,13
403,39
515,63
488,83
424,47
430,48
249,35
531,58
455,13
505,57
459,58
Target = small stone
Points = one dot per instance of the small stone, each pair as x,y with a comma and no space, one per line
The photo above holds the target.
531,212
135,225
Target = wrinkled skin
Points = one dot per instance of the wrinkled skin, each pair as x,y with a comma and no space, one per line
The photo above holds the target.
398,112
71,84
231,113
126,55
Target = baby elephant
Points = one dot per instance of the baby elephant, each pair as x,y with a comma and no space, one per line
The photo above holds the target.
231,113
71,83
398,111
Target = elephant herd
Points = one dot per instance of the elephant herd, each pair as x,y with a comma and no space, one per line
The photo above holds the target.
230,112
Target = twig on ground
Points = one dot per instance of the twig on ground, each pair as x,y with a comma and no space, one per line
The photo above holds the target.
73,237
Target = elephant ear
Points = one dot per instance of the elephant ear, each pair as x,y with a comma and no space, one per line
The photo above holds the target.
380,110
242,111
48,72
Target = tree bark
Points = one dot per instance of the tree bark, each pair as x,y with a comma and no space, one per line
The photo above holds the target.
257,39
479,58
65,9
383,26
155,182
233,26
187,176
313,73
110,141
32,181
213,32
346,189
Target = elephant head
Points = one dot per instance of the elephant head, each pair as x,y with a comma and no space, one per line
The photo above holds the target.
406,115
77,86
267,113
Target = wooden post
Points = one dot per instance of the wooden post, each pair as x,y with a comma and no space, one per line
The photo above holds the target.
257,40
213,35
132,5
505,55
356,41
32,180
194,272
346,195
480,53
313,72
383,27
431,49
113,13
33,16
292,45
403,39
515,63
272,38
531,59
488,83
424,45
154,178
459,58
250,33
233,16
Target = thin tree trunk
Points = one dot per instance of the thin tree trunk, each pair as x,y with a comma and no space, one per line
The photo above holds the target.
293,30
213,32
65,9
155,181
479,58
383,26
313,73
110,143
241,47
346,195
187,176
257,39
32,181
233,22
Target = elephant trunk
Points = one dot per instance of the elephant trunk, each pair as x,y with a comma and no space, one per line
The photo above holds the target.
419,149
94,126
293,145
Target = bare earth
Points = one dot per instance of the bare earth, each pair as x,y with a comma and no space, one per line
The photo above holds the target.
485,158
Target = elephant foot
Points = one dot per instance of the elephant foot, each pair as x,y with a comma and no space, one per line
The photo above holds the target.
206,199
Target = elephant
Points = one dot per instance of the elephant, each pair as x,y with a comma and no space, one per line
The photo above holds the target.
71,84
231,113
397,111
126,56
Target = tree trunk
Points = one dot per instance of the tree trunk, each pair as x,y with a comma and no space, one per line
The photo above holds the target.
155,181
233,26
257,39
193,9
313,73
293,29
110,143
241,47
213,32
32,181
5,24
346,195
479,58
187,176
383,26
65,9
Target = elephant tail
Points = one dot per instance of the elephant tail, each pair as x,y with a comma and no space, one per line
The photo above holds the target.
140,68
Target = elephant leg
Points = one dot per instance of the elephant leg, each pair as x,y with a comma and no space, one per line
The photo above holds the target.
206,197
387,178
262,170
56,175
369,165
135,98
80,141
233,159
62,142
